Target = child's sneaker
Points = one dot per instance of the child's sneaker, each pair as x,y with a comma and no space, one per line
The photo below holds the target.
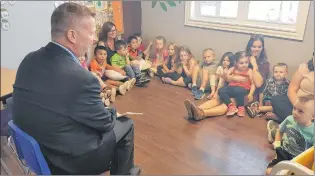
129,84
106,101
231,109
189,86
151,72
167,80
194,90
142,81
272,127
241,111
122,88
199,95
251,111
112,96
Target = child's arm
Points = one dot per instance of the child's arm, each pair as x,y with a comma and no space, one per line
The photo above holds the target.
252,87
188,71
127,59
165,67
146,51
134,57
212,80
261,97
117,69
221,75
229,75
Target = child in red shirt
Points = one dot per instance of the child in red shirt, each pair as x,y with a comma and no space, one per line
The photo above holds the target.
238,89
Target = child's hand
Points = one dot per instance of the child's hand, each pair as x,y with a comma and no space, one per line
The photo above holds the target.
250,97
122,72
221,75
212,95
150,44
145,53
127,55
184,63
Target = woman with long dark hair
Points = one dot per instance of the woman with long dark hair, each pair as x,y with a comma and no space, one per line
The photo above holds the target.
107,38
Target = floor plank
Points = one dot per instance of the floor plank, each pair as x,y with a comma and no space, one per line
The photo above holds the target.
167,143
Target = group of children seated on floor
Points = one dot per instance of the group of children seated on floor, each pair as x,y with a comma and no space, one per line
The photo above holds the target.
120,75
176,65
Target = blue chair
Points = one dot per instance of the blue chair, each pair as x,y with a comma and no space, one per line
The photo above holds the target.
28,150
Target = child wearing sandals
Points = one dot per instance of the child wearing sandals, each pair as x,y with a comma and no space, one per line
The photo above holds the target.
274,86
237,89
296,133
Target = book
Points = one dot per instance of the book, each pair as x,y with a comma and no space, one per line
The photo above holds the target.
129,113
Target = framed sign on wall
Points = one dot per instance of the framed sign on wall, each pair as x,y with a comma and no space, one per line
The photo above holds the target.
105,11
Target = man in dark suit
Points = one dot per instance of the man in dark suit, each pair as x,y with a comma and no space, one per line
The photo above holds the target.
58,102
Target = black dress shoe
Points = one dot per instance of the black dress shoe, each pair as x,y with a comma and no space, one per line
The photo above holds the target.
135,170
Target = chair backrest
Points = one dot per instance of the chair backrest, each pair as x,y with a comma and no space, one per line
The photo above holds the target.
6,116
28,149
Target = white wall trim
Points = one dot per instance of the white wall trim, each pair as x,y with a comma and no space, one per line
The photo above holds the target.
295,32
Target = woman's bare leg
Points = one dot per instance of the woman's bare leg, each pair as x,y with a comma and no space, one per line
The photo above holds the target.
216,111
210,104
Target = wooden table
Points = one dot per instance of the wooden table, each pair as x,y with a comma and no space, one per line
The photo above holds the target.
7,80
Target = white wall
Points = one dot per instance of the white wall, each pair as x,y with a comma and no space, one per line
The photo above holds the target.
170,24
29,30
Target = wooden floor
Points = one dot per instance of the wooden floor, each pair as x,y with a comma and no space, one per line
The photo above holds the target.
167,143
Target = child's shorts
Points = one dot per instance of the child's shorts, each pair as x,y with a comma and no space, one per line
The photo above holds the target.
282,155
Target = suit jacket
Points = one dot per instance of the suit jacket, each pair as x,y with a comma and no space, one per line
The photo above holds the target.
58,103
